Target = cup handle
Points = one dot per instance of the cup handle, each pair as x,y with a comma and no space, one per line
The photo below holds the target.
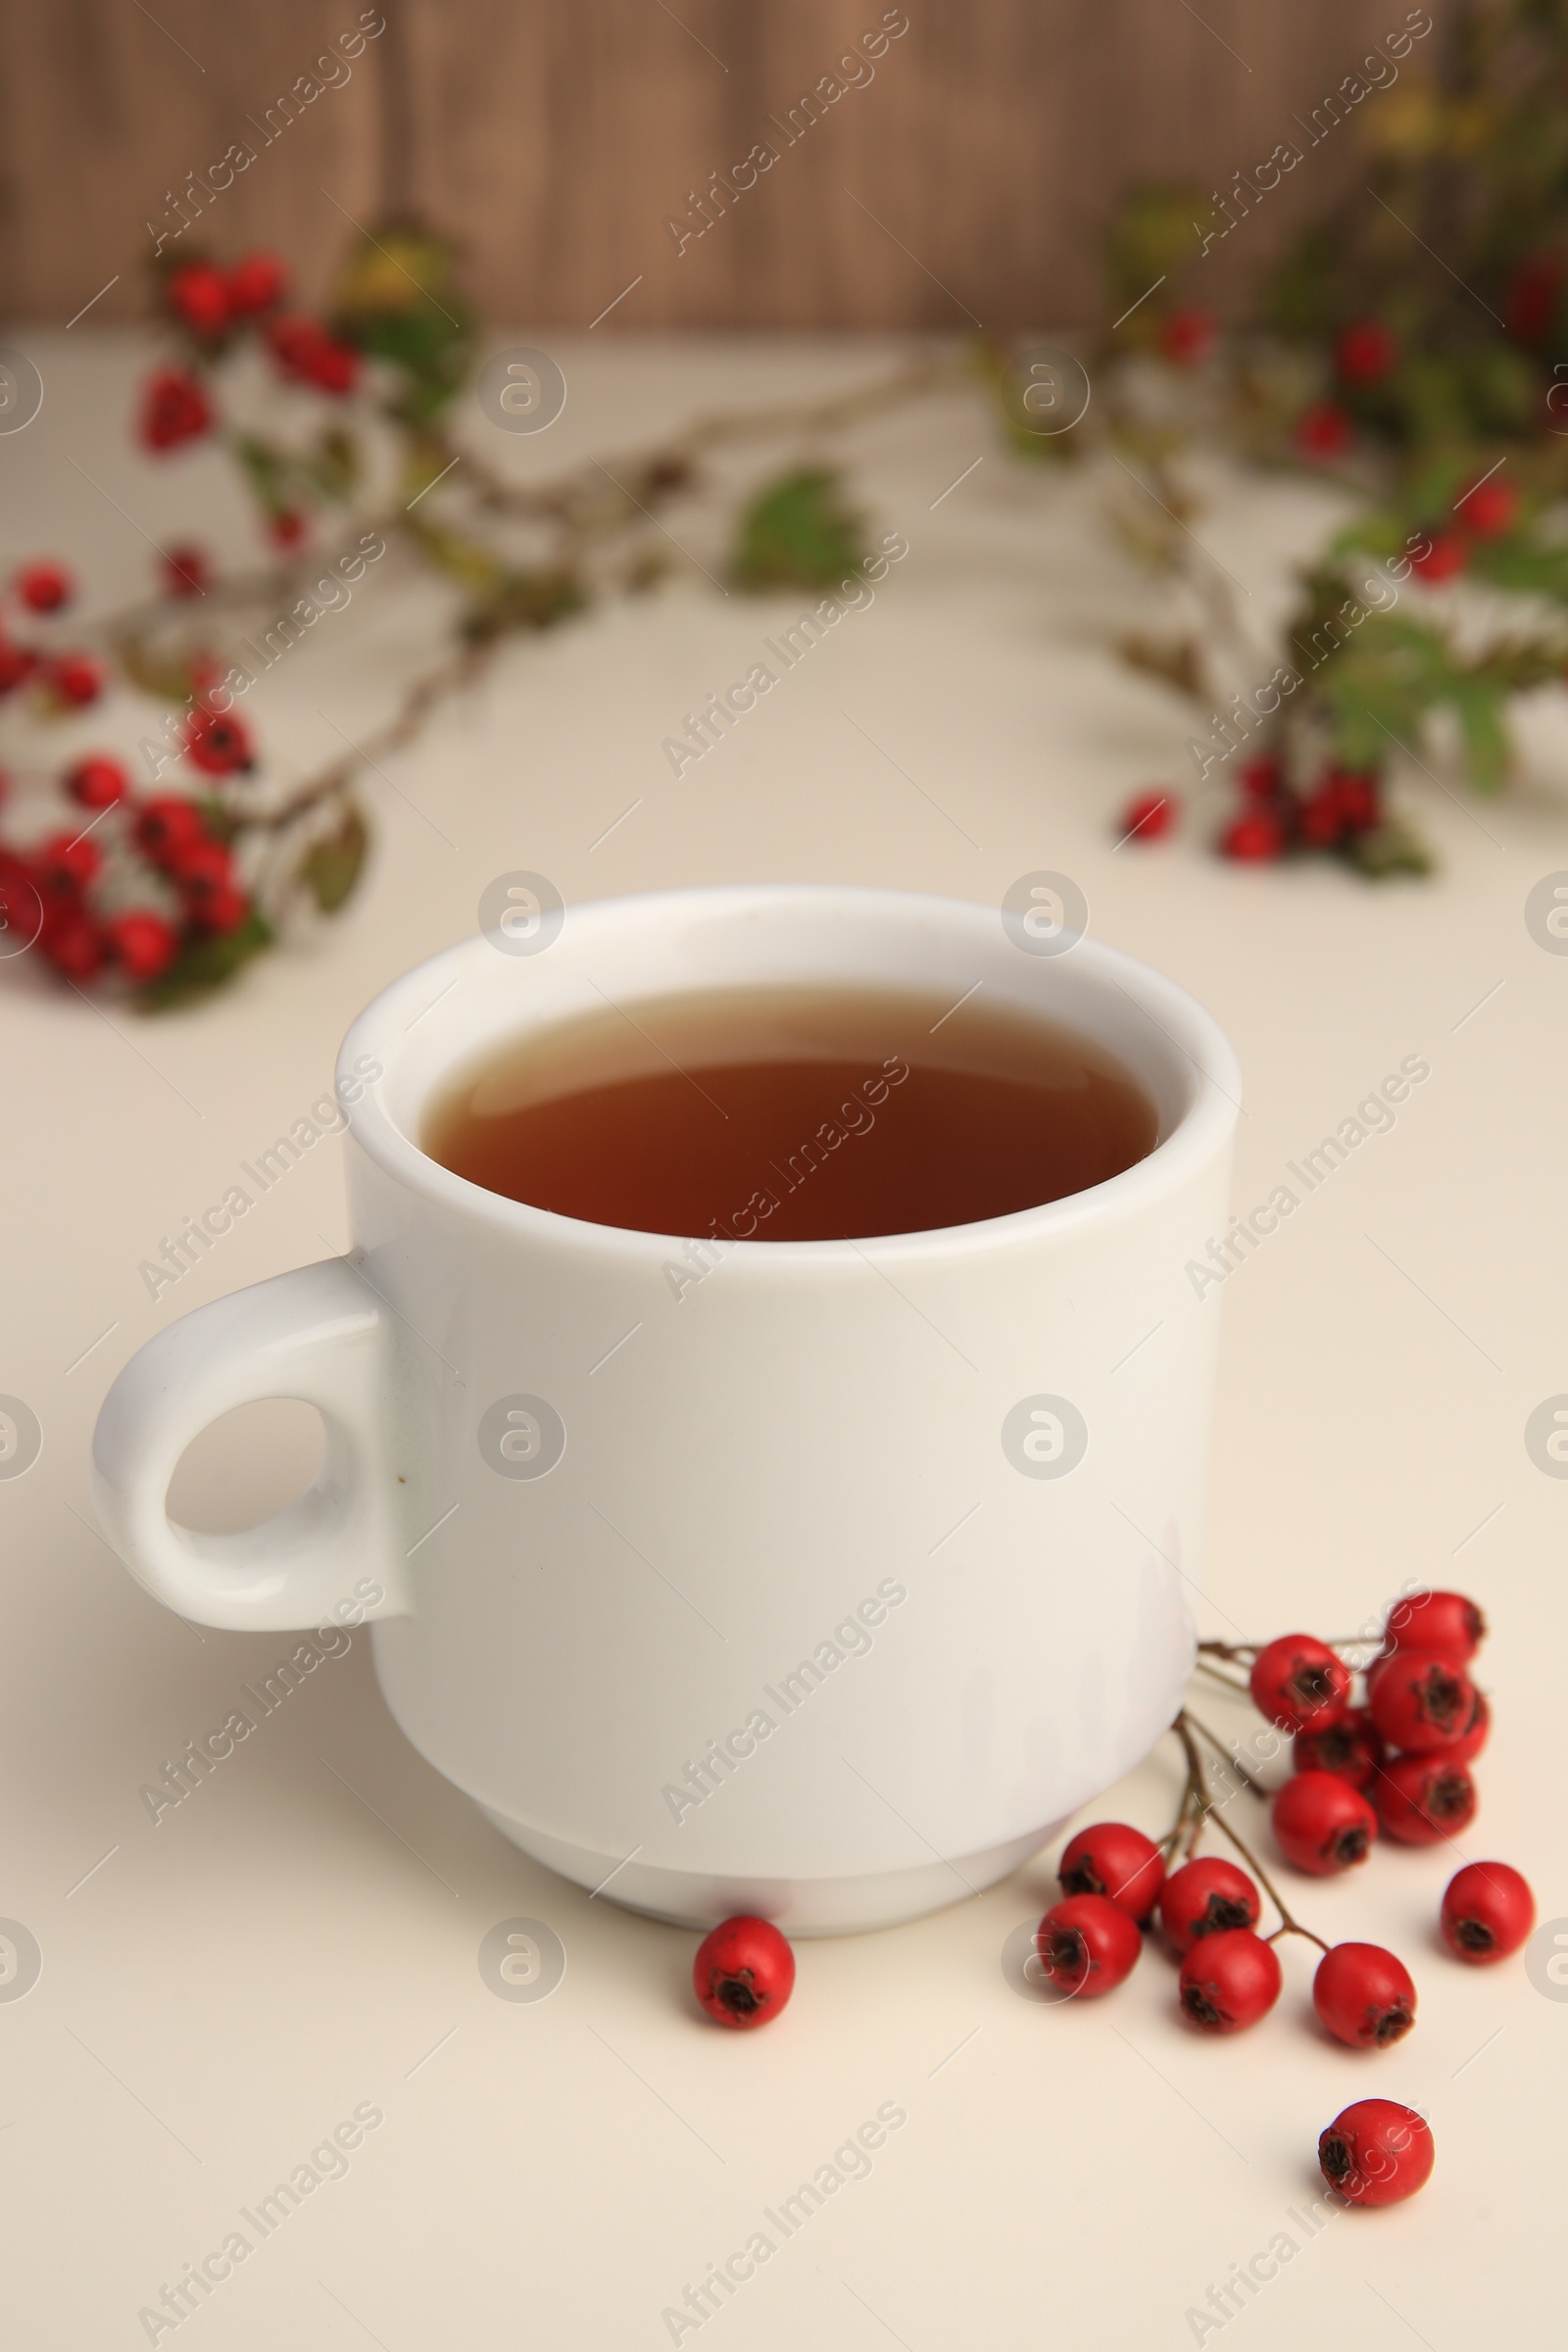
318,1334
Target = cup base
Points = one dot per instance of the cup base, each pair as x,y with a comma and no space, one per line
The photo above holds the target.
846,1906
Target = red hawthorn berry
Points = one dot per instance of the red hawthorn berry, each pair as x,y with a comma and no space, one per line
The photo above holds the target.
142,944
1529,305
1322,819
223,910
1254,838
186,570
1087,1945
304,351
1487,1912
744,1973
217,744
1447,1622
1375,2152
202,871
1322,431
197,295
1445,557
256,282
1365,351
74,944
1115,1860
1421,1701
1488,508
167,826
17,665
1364,1995
1357,793
175,409
1228,1981
1350,1747
285,529
21,907
1187,336
1298,1683
44,587
97,783
66,862
77,680
1322,1823
1148,816
1421,1799
1208,1896
1473,1738
1260,779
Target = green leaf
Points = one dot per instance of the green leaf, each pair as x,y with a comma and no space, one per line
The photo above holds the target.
330,867
206,965
1480,701
798,532
1394,848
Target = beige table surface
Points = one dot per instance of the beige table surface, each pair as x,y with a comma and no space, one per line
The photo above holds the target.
300,1937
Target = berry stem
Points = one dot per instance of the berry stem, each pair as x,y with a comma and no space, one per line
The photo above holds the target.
1231,1761
1289,1925
1230,1682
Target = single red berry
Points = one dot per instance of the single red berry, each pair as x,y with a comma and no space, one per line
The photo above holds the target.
285,529
1488,508
66,862
1322,431
197,295
17,665
1421,1799
1298,1683
143,945
256,282
1350,1747
1365,353
97,783
1260,779
74,944
175,409
222,909
1322,819
203,871
1473,1738
167,826
75,679
1444,557
1208,1896
1487,1912
44,587
1254,838
1364,1995
304,351
1448,1623
1228,1981
744,1973
218,745
1187,336
1529,305
22,907
1116,1861
1377,2152
1357,793
1087,1945
1322,1823
186,570
1148,816
1421,1701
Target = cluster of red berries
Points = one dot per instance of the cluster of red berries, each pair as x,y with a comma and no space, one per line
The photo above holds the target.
129,880
214,307
65,681
1274,817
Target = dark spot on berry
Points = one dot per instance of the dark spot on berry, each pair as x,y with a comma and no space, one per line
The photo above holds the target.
1083,1878
1475,1935
1439,1697
1334,1748
738,1994
1069,1956
1221,1911
1311,1686
1349,1844
1396,2019
1335,2157
1448,1796
1199,2007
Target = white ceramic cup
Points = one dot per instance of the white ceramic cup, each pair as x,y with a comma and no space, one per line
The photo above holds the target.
824,1579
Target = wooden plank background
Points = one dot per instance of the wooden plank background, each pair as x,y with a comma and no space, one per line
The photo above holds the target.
968,178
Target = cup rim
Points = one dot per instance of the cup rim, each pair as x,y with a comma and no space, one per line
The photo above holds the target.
1203,1124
